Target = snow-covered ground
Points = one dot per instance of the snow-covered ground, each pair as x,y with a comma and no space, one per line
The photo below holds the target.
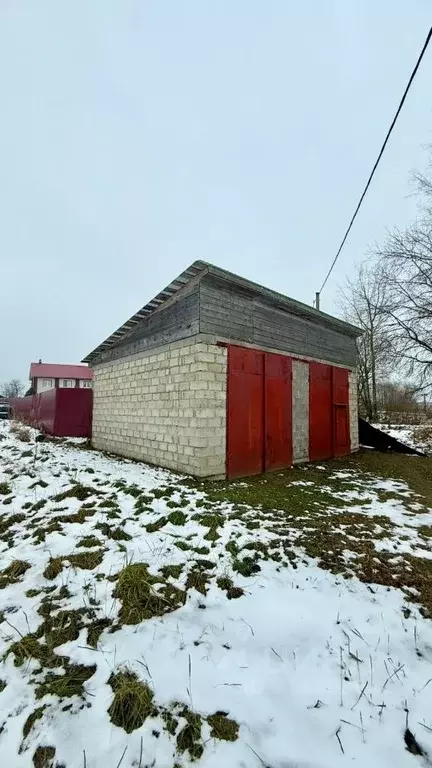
304,666
415,435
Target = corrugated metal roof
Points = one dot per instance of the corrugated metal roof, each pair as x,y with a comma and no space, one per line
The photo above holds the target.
60,371
199,268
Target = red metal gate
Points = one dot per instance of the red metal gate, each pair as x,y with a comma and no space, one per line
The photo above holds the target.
341,433
245,413
320,412
277,411
328,412
259,412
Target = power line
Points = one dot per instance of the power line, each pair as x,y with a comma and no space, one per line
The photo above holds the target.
393,123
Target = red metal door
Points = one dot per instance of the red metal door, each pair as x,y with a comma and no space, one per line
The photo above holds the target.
245,412
277,411
341,433
320,412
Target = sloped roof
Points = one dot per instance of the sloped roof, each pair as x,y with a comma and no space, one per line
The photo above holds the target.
197,270
60,371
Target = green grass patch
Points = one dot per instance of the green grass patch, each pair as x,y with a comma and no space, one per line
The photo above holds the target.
89,542
132,703
246,566
227,585
38,483
29,648
39,505
189,738
33,592
118,534
171,570
177,518
71,683
63,627
157,525
183,545
95,630
86,560
77,491
109,504
7,523
425,531
197,579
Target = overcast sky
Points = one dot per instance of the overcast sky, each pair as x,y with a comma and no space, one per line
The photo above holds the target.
139,135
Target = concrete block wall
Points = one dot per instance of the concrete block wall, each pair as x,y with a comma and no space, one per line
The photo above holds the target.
300,411
166,406
353,410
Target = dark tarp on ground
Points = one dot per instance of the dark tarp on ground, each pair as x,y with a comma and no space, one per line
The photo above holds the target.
369,435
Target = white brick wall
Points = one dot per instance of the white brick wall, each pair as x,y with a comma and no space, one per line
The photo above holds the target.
300,411
166,406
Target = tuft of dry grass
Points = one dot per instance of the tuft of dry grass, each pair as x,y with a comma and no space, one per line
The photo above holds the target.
197,579
132,703
21,432
77,491
95,630
189,738
136,589
222,727
13,573
85,560
31,720
89,542
54,568
44,757
227,585
71,683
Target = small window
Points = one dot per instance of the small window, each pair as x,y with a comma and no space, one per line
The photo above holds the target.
86,384
68,383
47,383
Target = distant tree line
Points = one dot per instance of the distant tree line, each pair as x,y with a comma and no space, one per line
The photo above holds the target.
390,299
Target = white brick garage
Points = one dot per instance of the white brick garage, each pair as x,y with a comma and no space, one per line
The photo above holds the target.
162,381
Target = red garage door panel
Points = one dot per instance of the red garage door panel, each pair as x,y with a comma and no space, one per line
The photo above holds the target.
278,411
320,411
245,428
341,434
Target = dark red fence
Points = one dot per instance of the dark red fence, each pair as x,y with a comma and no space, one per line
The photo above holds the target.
60,412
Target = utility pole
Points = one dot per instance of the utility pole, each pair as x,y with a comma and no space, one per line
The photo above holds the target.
317,300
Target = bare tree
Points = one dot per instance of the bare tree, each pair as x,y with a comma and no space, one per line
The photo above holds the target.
12,388
362,300
406,264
